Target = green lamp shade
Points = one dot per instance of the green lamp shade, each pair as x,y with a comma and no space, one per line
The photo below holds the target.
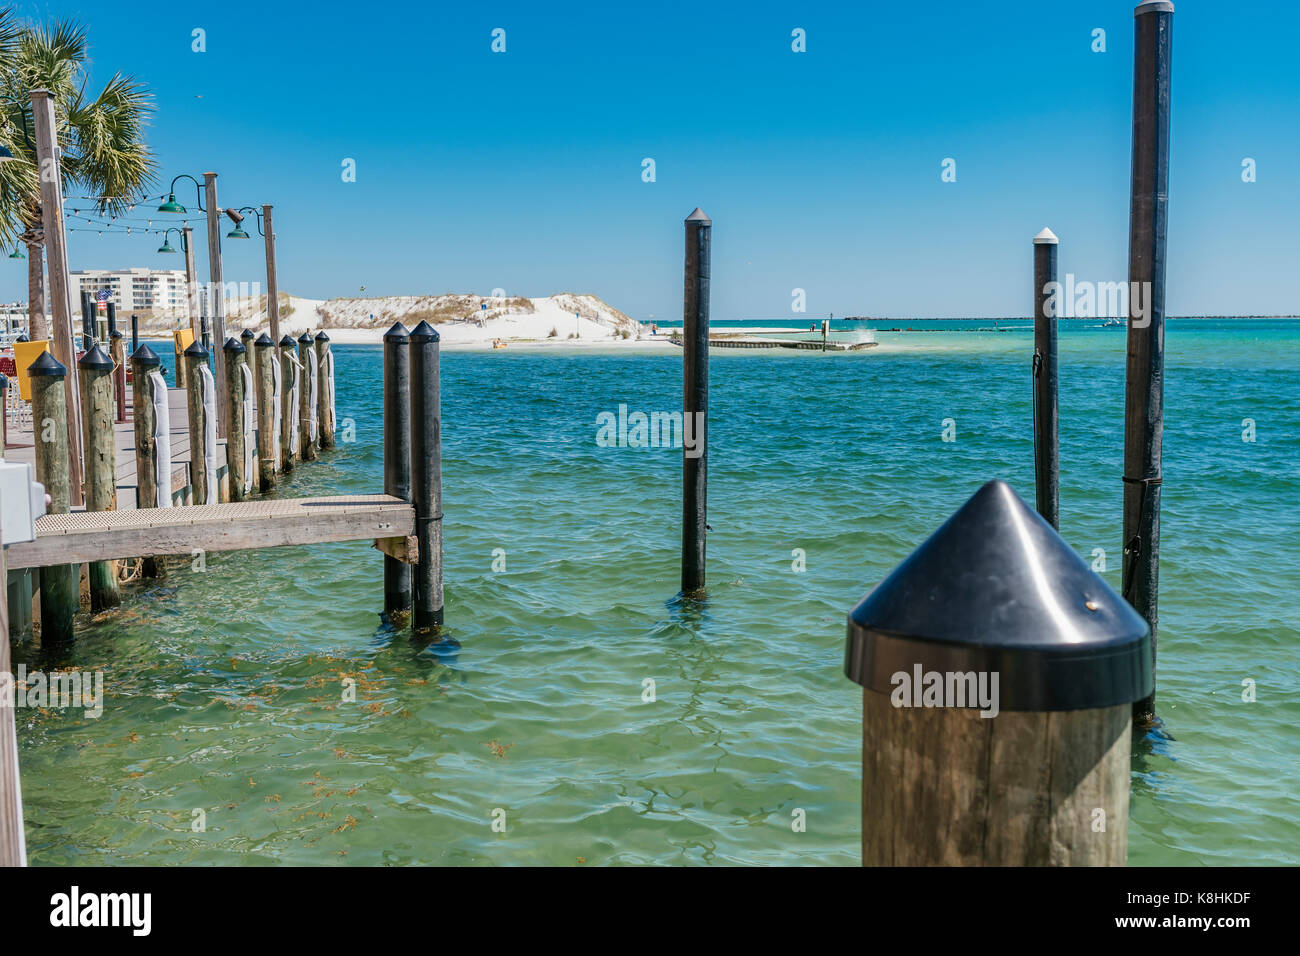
237,233
171,205
167,247
17,253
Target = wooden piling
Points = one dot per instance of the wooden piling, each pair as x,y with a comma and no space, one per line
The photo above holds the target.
695,404
59,583
96,371
247,339
143,362
426,474
996,724
196,357
289,404
217,293
325,389
1145,369
266,411
117,349
237,465
1047,441
307,401
397,456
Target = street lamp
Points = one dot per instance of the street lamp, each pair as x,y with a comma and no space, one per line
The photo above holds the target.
237,217
171,205
17,253
167,247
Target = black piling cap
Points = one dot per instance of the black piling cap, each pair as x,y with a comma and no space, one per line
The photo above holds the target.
196,350
247,334
264,341
46,364
116,334
424,332
321,336
287,341
997,590
397,333
22,338
146,356
305,337
233,345
97,360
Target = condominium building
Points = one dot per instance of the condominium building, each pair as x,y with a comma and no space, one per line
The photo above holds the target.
158,291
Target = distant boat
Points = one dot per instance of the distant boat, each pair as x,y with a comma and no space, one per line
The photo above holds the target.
1112,321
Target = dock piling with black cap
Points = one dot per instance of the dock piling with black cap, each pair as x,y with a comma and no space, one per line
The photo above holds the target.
145,361
695,404
1145,370
239,473
200,424
307,424
1047,439
117,349
267,451
397,456
95,369
60,595
248,339
998,674
325,389
289,374
426,474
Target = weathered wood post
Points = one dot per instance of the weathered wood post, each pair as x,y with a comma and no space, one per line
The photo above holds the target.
272,279
145,404
96,371
1047,439
307,401
247,339
397,456
290,376
426,474
13,847
201,423
266,412
325,389
695,404
117,349
998,673
216,288
60,591
238,466
1145,371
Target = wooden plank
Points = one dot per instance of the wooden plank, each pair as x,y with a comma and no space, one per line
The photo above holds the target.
405,549
104,535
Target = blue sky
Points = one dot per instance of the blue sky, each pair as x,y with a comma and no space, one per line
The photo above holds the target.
821,170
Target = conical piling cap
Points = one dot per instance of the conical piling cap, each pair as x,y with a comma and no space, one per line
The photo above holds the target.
264,341
233,345
305,337
1045,238
196,350
46,364
424,332
116,334
997,590
145,356
247,334
699,216
287,341
321,336
96,360
397,333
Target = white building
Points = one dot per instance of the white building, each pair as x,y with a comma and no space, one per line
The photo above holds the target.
159,291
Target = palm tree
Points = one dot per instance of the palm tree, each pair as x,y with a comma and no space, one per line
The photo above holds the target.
101,140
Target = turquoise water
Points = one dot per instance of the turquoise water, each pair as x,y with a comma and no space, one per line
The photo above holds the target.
224,693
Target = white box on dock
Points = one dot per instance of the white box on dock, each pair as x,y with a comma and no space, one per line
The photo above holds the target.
22,501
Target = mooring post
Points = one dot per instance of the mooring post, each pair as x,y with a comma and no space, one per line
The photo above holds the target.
117,349
238,466
60,591
145,361
200,422
307,401
695,405
426,474
247,339
996,724
87,319
1145,371
266,410
1047,439
290,378
96,371
325,390
397,455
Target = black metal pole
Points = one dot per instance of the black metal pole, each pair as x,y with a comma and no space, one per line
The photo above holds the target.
1145,373
426,475
397,454
1047,439
135,333
112,319
695,400
87,320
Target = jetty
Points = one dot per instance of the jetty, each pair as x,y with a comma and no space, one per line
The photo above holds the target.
762,339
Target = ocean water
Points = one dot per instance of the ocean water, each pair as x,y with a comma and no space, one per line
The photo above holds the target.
225,688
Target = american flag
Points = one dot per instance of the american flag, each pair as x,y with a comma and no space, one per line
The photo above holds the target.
103,295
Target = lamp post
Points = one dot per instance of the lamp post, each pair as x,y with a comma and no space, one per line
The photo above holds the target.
265,229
